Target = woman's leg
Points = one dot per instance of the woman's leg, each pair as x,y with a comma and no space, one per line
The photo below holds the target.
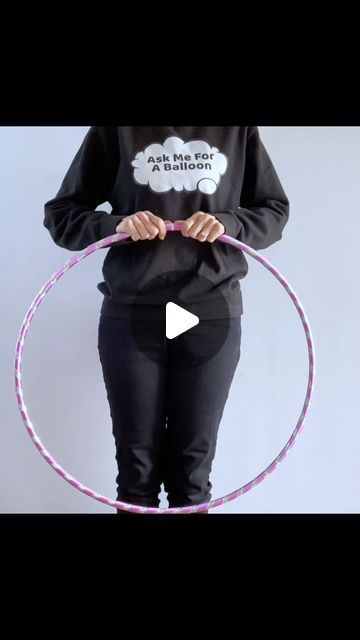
135,387
196,397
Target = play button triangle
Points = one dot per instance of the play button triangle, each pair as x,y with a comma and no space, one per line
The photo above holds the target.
178,320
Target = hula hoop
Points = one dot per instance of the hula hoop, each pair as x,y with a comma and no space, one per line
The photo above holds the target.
107,242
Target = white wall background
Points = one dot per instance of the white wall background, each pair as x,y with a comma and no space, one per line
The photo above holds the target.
62,379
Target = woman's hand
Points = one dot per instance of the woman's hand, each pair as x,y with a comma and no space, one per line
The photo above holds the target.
142,225
202,226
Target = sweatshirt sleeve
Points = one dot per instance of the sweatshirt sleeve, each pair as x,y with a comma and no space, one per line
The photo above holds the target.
264,207
70,216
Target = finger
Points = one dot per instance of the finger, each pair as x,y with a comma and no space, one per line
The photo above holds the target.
140,228
159,223
217,231
206,230
150,226
198,231
132,230
190,222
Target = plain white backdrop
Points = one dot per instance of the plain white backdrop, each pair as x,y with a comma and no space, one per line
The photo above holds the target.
64,392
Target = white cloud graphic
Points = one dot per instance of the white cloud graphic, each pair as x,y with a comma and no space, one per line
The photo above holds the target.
180,166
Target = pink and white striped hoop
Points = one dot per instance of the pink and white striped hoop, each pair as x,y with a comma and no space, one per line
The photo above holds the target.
107,242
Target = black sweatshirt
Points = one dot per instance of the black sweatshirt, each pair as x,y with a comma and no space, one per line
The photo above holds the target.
173,172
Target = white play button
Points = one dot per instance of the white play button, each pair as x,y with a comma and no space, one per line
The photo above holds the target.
178,320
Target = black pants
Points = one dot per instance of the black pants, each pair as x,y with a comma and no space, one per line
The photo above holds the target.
165,419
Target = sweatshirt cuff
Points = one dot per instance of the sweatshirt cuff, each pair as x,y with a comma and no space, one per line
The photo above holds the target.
231,223
107,226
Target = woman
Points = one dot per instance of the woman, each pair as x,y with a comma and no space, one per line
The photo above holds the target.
167,396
